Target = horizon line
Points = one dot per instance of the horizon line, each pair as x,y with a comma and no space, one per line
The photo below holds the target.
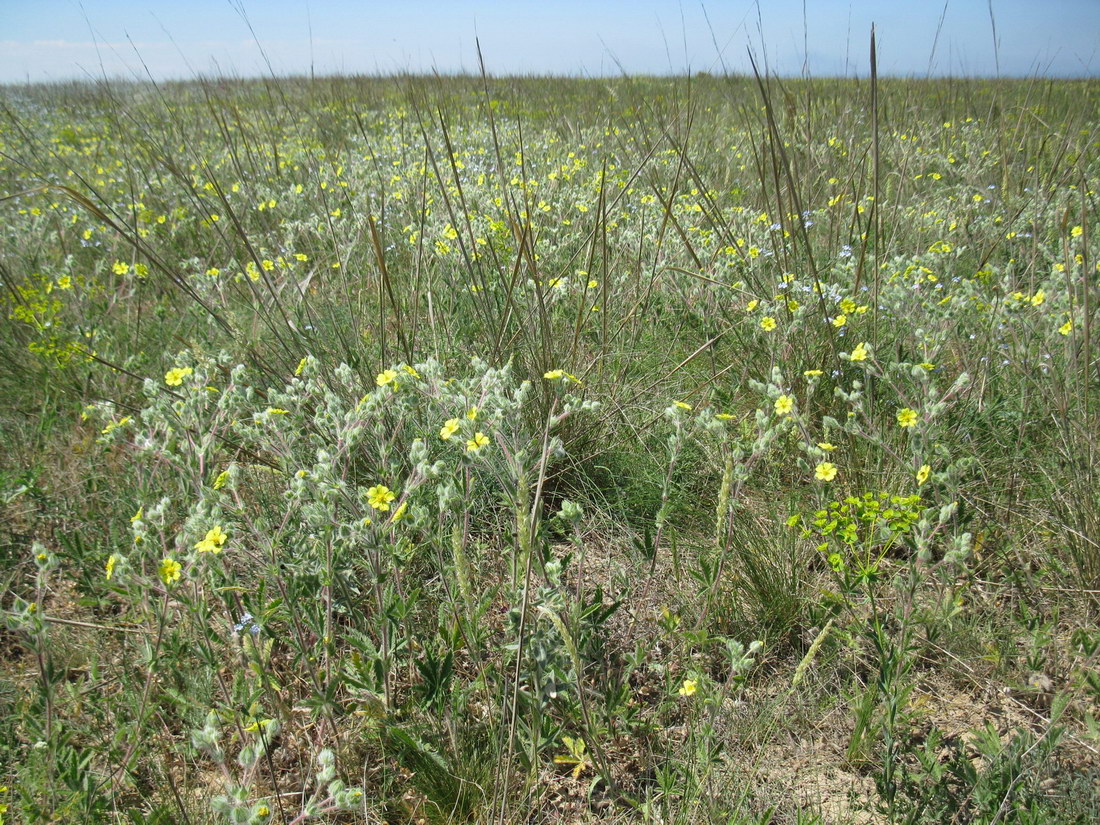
580,76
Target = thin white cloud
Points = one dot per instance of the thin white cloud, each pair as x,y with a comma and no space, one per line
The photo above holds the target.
543,38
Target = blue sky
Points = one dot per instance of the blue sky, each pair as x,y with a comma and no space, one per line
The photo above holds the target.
61,39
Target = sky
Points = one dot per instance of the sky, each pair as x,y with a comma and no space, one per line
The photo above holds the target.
46,40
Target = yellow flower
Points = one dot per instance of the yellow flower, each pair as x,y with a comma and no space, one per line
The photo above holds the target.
477,442
689,687
907,417
65,282
1038,298
174,377
784,404
399,513
682,405
559,375
410,371
386,377
112,560
213,542
450,427
826,446
923,473
751,305
767,323
1076,232
812,373
840,321
120,268
825,471
379,497
222,478
859,353
301,366
169,570
472,413
1066,328
847,306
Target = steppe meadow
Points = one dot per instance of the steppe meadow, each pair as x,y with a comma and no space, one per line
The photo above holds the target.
481,449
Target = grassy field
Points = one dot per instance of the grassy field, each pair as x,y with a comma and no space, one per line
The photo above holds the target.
432,450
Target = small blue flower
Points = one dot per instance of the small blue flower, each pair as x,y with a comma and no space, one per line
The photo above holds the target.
247,621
